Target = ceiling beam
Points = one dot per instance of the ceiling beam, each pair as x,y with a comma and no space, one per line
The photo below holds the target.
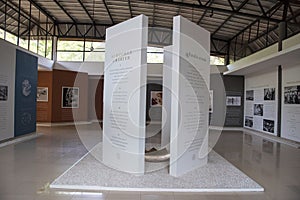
86,11
216,9
130,8
42,10
228,18
106,7
203,15
63,9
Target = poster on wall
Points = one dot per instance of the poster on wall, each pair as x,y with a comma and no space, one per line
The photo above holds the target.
249,95
269,94
3,93
70,97
211,104
292,94
42,94
233,101
156,98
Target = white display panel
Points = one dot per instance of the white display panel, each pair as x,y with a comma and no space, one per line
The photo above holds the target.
7,90
125,95
167,85
260,111
290,115
190,106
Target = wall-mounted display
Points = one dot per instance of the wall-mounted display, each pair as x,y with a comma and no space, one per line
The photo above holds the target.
269,94
249,95
3,93
42,94
70,97
292,94
233,101
156,98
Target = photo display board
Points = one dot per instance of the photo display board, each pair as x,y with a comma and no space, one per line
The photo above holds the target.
190,106
290,115
260,111
125,95
7,90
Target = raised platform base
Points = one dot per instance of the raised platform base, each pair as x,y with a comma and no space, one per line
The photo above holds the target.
217,176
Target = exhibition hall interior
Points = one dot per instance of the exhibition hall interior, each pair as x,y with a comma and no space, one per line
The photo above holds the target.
150,100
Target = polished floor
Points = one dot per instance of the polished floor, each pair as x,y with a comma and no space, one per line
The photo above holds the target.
27,168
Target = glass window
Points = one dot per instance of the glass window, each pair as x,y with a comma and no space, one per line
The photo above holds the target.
11,38
1,33
33,45
49,49
214,60
69,45
70,56
23,43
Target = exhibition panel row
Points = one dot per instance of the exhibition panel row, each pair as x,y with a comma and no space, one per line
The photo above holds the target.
18,83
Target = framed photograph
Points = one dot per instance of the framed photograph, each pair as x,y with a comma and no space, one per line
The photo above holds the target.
249,95
233,101
70,97
42,94
249,121
156,98
258,109
268,125
269,94
3,93
292,94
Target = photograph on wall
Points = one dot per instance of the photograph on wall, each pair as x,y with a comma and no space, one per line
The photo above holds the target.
250,95
292,94
269,94
70,97
211,103
233,101
42,94
156,98
3,92
268,125
258,109
249,121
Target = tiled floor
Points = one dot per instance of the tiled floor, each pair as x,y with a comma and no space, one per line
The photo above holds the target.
27,168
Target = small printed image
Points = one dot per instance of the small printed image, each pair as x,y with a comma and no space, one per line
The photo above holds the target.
269,94
233,101
249,95
249,121
292,95
42,94
258,109
268,125
3,93
70,97
156,98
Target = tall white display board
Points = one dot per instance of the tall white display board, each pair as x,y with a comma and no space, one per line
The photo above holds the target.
260,111
290,117
167,96
190,104
7,90
125,95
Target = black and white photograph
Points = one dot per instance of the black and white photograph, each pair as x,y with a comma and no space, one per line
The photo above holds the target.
233,101
42,94
268,125
269,94
156,98
250,95
3,92
70,97
258,109
249,121
292,94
